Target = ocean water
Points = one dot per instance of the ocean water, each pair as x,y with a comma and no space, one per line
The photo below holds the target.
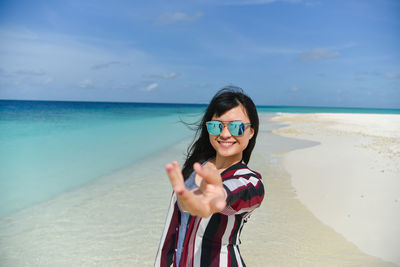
49,147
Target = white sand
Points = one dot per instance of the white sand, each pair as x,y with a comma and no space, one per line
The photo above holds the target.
351,181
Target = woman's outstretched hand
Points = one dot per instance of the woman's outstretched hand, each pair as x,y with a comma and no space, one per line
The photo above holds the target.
204,201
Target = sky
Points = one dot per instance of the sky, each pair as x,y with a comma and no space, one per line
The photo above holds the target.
343,53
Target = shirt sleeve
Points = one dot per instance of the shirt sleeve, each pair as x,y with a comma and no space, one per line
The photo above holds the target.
244,193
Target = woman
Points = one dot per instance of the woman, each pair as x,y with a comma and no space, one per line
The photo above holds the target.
212,200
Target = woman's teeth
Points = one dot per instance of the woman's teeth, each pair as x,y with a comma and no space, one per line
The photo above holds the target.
226,143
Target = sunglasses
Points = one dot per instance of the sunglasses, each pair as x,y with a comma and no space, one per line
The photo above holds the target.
236,128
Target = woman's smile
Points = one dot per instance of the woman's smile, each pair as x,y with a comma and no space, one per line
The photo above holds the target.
226,144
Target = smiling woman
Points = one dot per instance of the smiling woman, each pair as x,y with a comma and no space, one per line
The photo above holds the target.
216,191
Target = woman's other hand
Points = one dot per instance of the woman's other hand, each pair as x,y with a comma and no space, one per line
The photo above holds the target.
204,201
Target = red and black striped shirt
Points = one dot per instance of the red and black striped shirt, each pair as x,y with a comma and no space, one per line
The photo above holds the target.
214,241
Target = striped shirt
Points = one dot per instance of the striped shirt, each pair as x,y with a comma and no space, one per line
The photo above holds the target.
214,241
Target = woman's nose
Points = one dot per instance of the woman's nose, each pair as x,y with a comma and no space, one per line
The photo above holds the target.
225,132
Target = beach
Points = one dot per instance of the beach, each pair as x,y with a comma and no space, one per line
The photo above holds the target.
117,220
351,180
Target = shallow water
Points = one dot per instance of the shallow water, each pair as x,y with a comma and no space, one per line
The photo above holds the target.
47,148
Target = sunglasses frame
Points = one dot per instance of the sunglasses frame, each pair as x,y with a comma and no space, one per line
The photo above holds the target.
227,124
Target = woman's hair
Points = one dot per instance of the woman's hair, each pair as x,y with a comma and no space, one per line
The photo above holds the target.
225,99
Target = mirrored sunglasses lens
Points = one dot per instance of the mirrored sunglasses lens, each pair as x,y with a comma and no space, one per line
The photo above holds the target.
214,127
237,128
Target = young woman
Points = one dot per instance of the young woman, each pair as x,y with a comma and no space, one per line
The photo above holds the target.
215,192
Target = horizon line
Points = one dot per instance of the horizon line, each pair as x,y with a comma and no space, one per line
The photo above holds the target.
178,103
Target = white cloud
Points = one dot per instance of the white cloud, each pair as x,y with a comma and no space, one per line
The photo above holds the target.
48,80
250,2
170,75
367,73
30,72
105,65
150,87
312,3
276,50
125,85
168,18
21,33
204,84
318,54
294,89
392,75
363,75
266,2
26,63
85,83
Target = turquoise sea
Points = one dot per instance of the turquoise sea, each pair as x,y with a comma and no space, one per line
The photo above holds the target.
49,147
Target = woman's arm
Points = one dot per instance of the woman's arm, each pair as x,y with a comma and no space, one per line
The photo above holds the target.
245,192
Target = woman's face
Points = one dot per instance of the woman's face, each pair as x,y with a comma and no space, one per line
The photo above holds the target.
228,146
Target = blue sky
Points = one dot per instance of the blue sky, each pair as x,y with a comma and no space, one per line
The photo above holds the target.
281,52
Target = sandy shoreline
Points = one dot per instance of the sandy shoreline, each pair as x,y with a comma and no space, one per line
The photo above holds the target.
351,181
114,221
118,220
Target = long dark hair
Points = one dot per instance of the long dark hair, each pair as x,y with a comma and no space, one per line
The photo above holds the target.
225,99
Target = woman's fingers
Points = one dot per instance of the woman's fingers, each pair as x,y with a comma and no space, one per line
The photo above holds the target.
209,173
175,177
186,198
206,200
193,204
217,194
212,185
